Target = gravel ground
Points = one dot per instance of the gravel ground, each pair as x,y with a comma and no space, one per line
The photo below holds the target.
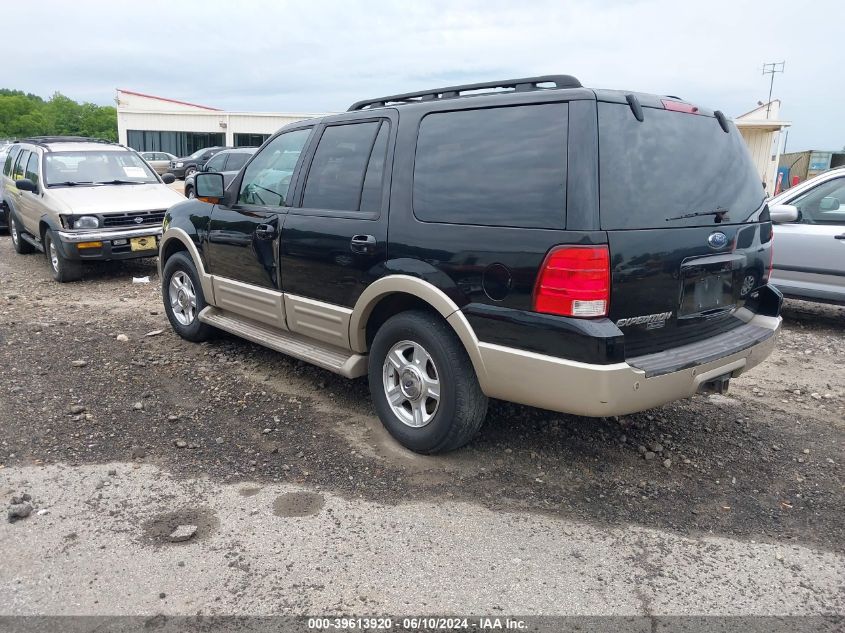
721,504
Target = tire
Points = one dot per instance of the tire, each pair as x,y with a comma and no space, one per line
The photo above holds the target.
189,192
183,309
63,269
424,348
22,247
190,171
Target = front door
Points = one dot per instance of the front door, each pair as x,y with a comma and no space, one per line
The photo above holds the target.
243,237
810,252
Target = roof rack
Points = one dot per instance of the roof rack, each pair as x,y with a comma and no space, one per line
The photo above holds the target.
526,84
44,140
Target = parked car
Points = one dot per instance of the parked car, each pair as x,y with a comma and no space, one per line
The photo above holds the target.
188,165
4,223
228,162
159,161
810,233
78,199
530,240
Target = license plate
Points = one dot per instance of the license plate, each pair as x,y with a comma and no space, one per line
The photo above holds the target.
143,243
710,292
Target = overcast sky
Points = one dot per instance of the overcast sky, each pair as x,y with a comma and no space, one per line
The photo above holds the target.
321,56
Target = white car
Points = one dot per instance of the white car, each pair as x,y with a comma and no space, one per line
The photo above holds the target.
160,161
809,253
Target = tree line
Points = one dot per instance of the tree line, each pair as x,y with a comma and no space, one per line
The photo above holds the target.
24,114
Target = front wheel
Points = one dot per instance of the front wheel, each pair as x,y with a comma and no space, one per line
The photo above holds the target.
189,192
183,298
423,384
63,269
20,245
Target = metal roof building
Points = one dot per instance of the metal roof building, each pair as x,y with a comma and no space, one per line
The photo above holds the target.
150,123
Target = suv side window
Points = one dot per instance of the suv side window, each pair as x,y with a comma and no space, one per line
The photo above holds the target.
32,168
236,161
372,192
10,160
824,204
336,176
215,163
267,178
501,166
20,164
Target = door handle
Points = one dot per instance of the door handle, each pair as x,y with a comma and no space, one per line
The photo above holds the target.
362,244
265,231
841,236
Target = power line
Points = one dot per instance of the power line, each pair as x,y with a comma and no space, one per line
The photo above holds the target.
771,69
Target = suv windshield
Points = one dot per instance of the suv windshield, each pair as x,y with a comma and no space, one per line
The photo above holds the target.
93,168
672,169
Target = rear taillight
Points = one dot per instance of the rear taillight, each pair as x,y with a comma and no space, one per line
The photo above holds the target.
768,273
574,281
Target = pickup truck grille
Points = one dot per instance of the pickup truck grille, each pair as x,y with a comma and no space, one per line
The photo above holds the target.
135,218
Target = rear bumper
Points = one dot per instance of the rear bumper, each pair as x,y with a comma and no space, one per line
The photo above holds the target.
115,243
619,388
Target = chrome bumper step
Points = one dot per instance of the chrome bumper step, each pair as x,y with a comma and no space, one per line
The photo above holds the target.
335,359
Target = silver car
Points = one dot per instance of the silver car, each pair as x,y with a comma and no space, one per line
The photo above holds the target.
160,161
77,200
809,253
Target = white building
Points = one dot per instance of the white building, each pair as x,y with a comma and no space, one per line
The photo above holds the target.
762,130
150,123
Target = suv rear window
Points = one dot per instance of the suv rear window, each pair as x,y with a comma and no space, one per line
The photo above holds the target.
498,167
672,164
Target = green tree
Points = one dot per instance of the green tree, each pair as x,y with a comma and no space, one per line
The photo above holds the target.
23,114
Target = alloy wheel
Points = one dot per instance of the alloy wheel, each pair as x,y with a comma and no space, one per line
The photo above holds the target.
411,383
183,298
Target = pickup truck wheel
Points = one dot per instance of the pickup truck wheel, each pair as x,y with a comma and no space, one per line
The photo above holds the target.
21,246
183,298
423,384
190,171
63,269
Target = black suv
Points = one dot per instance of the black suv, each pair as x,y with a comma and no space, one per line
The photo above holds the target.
187,165
595,252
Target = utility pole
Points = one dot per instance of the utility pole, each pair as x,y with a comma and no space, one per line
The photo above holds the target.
771,69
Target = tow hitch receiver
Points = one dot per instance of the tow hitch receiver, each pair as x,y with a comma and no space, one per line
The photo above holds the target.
718,385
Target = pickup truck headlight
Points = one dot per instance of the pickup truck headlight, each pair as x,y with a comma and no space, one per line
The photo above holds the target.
86,222
179,164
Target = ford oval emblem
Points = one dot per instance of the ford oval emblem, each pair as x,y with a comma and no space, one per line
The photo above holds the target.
717,240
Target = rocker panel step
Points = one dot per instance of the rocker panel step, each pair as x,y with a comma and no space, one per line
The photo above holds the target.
339,361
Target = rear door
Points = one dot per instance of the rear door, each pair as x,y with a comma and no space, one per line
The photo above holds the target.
336,235
688,230
810,254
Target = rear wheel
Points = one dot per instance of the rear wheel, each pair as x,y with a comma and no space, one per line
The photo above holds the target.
63,269
183,298
423,384
190,171
21,246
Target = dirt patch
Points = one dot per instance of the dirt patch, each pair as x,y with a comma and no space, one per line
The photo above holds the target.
157,531
298,504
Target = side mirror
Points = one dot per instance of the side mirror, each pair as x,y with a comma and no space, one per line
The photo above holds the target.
829,203
168,178
209,187
25,184
783,213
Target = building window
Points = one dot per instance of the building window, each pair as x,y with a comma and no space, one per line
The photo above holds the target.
178,143
250,140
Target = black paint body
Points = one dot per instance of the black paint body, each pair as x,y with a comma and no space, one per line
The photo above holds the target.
488,271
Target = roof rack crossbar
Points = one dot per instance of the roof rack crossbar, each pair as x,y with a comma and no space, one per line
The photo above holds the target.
45,140
525,84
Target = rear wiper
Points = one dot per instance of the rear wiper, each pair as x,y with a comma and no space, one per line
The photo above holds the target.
720,213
